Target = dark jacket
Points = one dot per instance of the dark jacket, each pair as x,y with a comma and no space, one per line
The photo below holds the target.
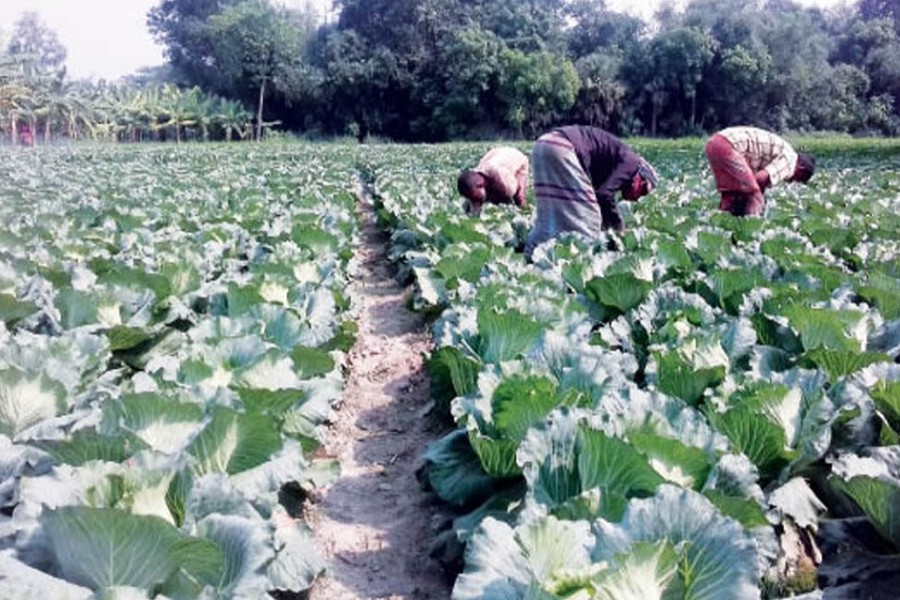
609,162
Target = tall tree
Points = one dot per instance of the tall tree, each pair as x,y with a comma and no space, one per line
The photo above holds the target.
538,88
14,95
526,25
883,65
735,88
843,105
180,26
256,45
599,41
37,48
732,87
800,48
601,95
38,59
346,72
859,37
878,9
683,54
398,46
596,29
464,97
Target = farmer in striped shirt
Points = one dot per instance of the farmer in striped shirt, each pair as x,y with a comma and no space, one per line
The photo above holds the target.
577,172
746,161
501,177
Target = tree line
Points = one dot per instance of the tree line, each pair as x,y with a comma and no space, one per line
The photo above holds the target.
39,102
433,70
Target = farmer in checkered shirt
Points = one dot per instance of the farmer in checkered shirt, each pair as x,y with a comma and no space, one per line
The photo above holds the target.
746,161
501,177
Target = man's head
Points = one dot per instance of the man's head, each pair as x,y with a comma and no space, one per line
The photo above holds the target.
473,187
806,166
643,182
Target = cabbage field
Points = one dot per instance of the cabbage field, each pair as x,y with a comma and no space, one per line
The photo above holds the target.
174,327
703,407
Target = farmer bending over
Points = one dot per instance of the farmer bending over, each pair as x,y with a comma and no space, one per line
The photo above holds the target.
26,138
746,161
577,172
500,178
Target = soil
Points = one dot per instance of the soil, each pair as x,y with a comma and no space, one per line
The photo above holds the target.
375,525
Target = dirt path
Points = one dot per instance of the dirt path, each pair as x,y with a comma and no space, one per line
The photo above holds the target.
374,525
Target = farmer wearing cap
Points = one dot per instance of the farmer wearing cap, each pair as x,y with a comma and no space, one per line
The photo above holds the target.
746,161
577,172
501,177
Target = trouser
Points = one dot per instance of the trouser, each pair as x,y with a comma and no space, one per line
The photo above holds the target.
565,200
735,180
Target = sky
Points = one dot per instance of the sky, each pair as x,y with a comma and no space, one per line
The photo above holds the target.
104,38
109,38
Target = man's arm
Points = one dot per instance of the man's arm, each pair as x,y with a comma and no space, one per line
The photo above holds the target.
762,180
496,192
621,175
782,166
609,210
521,185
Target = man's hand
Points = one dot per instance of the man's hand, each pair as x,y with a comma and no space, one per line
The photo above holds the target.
614,242
519,198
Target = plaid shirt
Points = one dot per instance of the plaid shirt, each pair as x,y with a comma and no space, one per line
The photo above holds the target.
503,166
763,150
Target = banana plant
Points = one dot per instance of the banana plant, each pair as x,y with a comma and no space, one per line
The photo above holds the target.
233,118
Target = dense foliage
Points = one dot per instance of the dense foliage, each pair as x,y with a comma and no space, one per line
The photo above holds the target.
444,69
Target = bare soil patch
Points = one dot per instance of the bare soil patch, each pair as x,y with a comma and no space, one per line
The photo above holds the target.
376,524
